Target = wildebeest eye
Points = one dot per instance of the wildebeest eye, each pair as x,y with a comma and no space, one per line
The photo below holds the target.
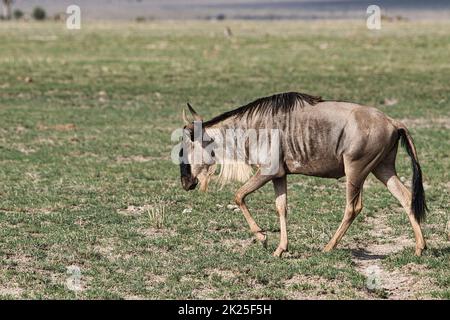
212,153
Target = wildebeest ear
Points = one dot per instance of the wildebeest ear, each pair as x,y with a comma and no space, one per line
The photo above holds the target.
185,119
194,113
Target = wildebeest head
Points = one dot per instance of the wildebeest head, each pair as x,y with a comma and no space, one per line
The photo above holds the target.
197,163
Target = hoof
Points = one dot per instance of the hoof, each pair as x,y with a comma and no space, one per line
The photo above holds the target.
420,248
261,237
279,252
419,251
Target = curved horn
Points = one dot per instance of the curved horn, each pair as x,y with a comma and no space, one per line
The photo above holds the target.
185,119
196,116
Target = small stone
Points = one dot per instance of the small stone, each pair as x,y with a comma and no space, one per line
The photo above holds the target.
390,102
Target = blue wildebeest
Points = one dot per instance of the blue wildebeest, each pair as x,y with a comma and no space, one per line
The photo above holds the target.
320,138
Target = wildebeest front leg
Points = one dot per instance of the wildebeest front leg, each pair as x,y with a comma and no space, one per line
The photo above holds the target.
280,186
255,182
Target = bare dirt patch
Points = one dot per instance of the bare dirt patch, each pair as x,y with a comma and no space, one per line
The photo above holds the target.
408,282
312,287
154,279
201,290
135,210
138,159
57,127
107,249
238,245
24,149
203,293
226,275
11,290
155,232
133,297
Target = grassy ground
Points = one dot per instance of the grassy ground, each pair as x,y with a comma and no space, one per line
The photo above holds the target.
85,124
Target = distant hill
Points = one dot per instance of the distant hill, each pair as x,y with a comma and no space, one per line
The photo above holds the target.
240,9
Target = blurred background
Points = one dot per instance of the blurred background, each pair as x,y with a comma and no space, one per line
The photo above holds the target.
238,9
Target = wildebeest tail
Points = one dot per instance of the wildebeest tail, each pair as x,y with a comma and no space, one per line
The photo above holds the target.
418,204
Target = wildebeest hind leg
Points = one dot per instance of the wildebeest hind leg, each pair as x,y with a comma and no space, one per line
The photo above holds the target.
386,173
352,209
356,174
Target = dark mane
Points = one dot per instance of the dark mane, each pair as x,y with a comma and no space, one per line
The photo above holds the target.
282,102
